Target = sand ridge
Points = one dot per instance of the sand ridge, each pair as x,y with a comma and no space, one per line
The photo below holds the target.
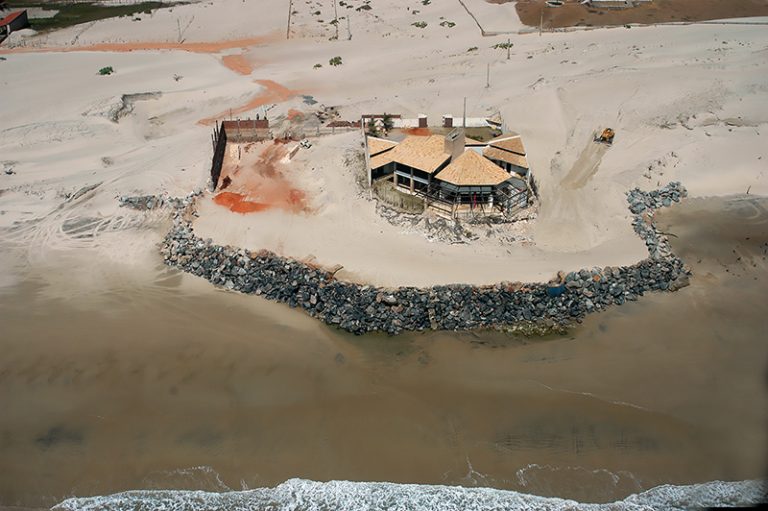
194,47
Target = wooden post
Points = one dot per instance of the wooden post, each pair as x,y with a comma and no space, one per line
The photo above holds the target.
290,10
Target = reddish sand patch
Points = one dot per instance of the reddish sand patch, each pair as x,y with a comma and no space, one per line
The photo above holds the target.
295,115
419,132
238,203
273,93
237,63
260,185
201,47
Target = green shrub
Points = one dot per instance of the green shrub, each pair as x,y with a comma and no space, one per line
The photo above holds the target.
387,122
420,24
106,71
335,61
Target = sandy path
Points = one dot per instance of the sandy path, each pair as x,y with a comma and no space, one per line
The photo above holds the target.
586,165
272,92
237,63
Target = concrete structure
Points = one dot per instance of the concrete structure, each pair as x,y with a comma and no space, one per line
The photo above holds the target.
246,130
238,131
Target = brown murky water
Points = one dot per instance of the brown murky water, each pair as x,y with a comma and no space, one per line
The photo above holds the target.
167,387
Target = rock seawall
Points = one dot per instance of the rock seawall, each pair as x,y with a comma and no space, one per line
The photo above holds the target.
360,309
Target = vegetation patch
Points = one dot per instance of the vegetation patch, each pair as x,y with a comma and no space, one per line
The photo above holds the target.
386,191
84,12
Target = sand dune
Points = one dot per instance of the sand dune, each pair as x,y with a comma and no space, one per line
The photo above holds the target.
688,103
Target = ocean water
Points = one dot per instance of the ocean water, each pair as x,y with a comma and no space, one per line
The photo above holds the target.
137,387
304,495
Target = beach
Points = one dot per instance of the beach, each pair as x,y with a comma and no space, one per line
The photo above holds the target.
242,393
122,373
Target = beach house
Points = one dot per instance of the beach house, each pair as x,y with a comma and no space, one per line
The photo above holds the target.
454,177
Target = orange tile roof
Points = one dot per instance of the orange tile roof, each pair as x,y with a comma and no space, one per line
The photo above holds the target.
472,142
8,19
499,154
508,142
471,169
379,145
422,153
381,159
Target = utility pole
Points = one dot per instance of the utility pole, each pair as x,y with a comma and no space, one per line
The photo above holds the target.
488,77
509,45
290,11
541,19
349,30
336,19
464,119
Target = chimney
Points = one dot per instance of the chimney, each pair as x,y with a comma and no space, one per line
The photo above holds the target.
454,143
422,121
447,121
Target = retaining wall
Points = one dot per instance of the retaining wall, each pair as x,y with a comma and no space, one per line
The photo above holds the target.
361,309
219,149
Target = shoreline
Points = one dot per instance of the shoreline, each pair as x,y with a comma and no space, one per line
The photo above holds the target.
361,309
353,495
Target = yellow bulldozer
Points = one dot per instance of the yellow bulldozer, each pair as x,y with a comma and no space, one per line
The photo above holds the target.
606,136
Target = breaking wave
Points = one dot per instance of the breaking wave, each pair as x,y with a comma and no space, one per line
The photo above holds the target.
304,495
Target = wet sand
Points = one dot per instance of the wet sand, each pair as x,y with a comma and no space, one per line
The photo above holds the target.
178,386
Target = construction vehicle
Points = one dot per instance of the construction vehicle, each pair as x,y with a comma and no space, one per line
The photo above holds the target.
606,137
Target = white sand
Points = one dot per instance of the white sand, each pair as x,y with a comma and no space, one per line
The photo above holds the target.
688,103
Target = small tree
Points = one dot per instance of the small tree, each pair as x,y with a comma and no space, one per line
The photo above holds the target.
335,61
106,71
373,129
387,122
503,46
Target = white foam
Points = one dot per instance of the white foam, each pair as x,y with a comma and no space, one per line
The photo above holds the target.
304,495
